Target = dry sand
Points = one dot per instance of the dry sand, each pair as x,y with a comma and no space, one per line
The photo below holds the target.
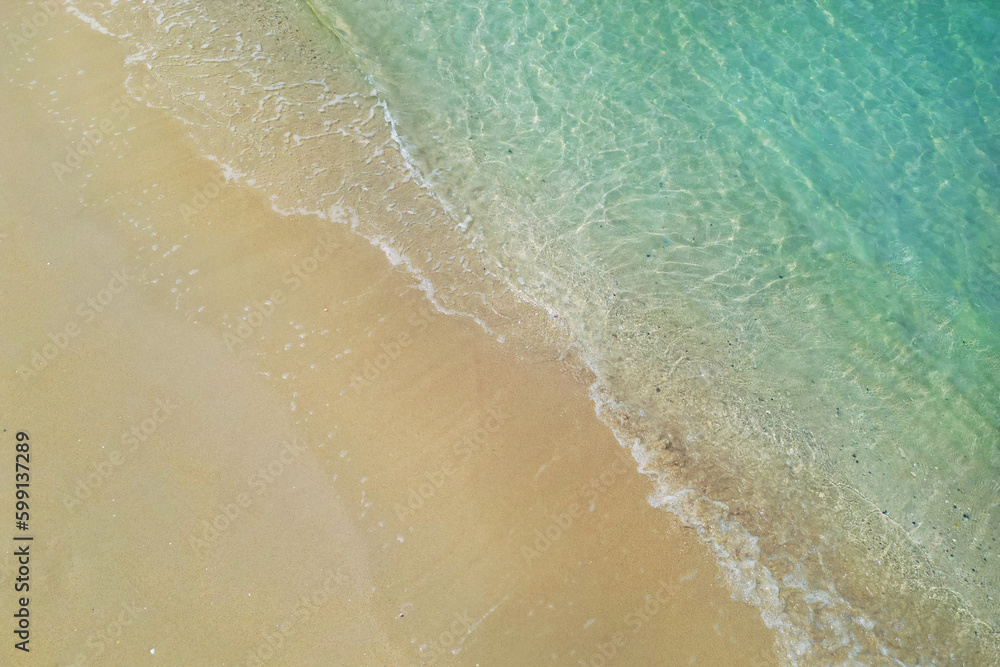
254,441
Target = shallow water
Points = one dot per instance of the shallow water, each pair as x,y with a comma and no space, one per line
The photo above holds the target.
789,210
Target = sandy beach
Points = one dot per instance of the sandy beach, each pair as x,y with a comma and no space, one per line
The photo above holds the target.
256,441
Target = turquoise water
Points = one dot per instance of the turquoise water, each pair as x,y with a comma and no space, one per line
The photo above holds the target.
790,209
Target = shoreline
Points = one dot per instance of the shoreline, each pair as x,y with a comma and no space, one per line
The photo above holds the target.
274,513
914,585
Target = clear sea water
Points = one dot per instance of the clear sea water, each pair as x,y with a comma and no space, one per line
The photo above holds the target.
789,209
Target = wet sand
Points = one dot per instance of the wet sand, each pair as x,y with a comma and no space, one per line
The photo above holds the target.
255,441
